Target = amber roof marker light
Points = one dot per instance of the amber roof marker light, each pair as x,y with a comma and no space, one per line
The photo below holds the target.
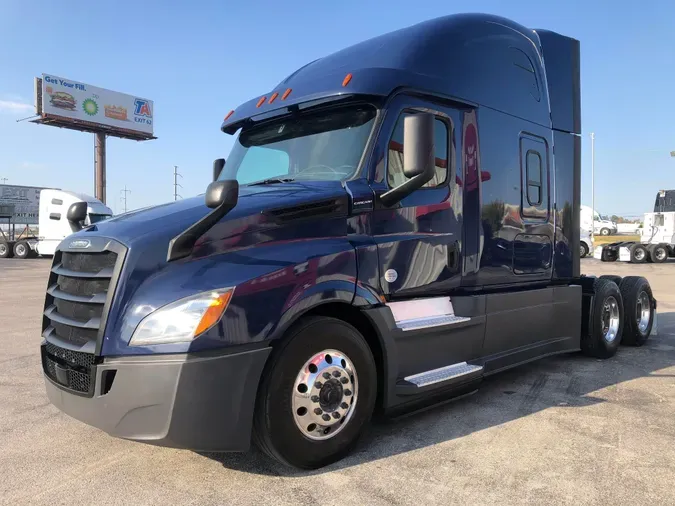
286,93
273,97
261,101
228,115
346,80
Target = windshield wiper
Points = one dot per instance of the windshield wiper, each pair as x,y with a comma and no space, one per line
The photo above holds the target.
272,180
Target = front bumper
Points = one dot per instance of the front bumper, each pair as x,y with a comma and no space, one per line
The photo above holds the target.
197,402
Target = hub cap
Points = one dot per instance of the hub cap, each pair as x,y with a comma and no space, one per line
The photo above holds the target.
660,253
610,319
639,254
324,394
20,250
644,312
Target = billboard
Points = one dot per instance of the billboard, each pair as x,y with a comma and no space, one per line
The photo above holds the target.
72,104
23,201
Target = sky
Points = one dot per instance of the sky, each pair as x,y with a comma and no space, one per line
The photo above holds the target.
197,60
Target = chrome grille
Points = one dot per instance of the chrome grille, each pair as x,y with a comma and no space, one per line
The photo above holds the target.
80,286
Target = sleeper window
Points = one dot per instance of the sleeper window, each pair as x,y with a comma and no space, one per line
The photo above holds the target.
395,175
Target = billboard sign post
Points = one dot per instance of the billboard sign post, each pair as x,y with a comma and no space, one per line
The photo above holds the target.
78,106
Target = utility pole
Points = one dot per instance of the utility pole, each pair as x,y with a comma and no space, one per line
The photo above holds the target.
123,197
3,179
99,166
175,182
592,185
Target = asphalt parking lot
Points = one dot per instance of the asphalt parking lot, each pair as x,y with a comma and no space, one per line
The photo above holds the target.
564,430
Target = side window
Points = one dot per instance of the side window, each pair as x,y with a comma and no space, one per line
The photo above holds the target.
533,167
395,176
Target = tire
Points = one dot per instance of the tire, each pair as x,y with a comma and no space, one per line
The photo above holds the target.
583,250
599,342
612,277
604,231
5,250
658,253
638,321
275,429
638,254
21,250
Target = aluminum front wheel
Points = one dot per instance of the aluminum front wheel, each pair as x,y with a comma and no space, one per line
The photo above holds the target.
644,312
325,394
610,319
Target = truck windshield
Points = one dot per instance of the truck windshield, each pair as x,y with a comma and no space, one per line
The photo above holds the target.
94,218
325,146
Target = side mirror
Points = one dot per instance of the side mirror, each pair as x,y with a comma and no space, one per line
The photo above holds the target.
418,156
77,212
218,165
221,193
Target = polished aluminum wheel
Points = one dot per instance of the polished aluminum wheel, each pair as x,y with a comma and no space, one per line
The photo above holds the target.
660,254
20,250
644,312
3,249
640,254
610,319
325,394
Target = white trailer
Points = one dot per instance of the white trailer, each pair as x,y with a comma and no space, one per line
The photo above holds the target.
657,236
61,213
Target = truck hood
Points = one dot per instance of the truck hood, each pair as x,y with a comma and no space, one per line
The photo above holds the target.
157,225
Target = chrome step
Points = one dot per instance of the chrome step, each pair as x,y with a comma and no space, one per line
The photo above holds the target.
430,321
443,374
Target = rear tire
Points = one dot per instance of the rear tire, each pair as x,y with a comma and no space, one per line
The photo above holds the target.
5,250
638,303
638,254
583,250
279,424
21,249
605,332
658,253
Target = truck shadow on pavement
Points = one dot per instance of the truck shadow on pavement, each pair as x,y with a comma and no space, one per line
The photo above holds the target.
563,382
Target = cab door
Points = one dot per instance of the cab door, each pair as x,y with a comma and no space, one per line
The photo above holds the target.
419,239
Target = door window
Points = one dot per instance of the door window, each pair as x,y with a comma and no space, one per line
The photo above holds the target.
395,175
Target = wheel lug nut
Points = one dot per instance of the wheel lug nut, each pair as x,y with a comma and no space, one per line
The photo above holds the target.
318,384
315,398
318,411
336,374
326,375
336,415
348,392
344,405
344,381
326,417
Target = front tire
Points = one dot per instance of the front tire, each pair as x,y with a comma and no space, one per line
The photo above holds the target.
583,250
604,231
317,395
607,320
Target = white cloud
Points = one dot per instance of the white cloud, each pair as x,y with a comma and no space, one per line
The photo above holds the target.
13,107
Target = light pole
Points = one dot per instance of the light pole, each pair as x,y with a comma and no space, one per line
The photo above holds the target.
592,186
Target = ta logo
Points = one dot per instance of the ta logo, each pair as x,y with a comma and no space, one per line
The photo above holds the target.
142,108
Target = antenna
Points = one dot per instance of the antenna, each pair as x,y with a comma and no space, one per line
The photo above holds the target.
175,183
123,197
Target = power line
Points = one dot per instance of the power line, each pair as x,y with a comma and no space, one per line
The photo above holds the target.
123,197
175,183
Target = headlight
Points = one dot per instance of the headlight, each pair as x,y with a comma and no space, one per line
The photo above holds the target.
183,320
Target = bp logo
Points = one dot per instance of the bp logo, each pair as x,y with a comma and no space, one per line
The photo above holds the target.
90,107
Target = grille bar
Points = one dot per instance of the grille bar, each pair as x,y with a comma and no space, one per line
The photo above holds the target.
53,315
107,272
97,298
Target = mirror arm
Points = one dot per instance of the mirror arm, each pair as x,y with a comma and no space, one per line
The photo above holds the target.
396,194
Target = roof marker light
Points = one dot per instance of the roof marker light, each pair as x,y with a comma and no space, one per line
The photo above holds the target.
229,114
273,97
286,93
261,101
346,80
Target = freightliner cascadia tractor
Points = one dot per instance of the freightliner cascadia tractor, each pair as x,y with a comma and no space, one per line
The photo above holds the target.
395,222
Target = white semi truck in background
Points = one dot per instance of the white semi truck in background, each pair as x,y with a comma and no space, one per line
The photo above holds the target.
589,218
60,214
657,236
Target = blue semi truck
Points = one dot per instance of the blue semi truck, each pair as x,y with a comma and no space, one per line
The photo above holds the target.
394,223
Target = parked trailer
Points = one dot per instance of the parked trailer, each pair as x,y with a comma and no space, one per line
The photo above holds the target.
60,213
352,256
657,236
